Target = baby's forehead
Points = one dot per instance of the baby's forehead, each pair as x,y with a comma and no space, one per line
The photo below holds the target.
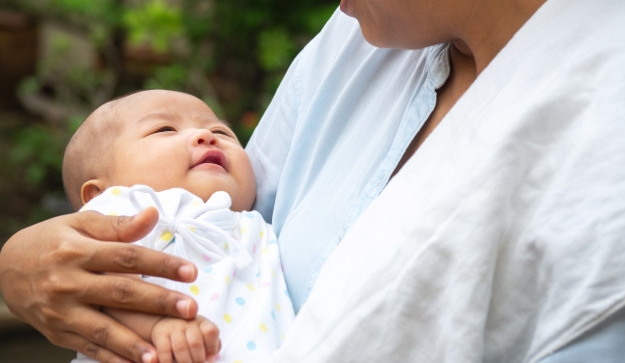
167,105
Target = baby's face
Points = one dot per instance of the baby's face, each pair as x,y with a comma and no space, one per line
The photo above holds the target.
170,139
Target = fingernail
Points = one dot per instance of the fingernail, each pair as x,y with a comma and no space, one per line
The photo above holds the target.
147,357
183,307
186,272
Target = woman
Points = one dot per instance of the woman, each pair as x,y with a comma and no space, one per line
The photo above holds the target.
349,117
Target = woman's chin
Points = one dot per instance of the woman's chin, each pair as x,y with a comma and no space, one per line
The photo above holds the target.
344,6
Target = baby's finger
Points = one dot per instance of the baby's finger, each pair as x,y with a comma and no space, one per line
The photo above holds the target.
210,334
195,342
180,347
163,348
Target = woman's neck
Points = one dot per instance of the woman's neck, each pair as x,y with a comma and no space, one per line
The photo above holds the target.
489,29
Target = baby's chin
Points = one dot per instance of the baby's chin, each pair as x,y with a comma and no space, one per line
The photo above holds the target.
242,201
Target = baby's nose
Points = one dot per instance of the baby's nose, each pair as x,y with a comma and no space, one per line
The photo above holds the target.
203,136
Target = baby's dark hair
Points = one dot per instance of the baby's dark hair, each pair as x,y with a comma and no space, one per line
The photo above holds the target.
88,153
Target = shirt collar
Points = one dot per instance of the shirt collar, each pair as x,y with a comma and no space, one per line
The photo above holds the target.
437,64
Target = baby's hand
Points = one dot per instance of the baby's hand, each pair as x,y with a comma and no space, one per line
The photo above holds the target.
186,341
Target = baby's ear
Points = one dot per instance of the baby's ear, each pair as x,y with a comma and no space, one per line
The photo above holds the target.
91,189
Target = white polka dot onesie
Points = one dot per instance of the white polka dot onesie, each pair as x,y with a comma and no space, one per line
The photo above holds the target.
240,285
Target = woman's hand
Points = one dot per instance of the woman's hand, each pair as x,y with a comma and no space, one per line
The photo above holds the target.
51,276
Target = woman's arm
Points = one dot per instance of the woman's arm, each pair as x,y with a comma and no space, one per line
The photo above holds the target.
51,276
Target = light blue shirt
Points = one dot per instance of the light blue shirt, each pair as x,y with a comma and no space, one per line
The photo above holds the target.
334,133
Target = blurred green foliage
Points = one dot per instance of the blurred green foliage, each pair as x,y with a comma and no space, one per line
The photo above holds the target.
154,23
243,46
230,53
32,141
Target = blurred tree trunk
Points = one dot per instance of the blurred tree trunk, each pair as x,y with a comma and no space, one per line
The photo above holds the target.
19,45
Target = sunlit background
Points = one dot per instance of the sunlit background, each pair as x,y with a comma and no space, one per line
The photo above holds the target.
59,59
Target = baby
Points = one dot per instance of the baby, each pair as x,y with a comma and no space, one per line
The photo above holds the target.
168,150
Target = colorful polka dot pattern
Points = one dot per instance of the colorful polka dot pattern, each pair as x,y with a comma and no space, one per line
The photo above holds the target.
250,304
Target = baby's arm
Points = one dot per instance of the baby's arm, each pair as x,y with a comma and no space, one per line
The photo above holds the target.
176,340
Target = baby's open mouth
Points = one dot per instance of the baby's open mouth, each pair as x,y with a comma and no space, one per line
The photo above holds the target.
214,157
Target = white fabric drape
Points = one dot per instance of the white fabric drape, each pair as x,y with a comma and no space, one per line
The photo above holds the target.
503,237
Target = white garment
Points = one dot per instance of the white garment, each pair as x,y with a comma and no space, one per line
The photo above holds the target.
240,285
339,123
503,238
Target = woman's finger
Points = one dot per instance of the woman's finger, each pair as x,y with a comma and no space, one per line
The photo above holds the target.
104,331
98,336
125,258
134,294
115,228
128,258
79,344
